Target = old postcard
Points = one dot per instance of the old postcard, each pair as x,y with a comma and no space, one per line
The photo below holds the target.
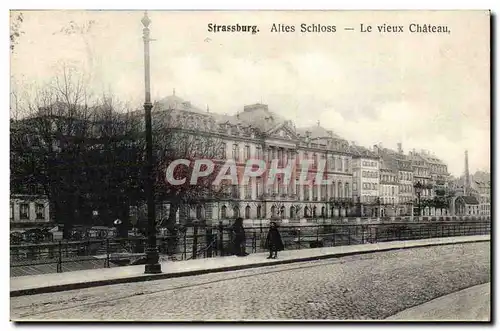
250,165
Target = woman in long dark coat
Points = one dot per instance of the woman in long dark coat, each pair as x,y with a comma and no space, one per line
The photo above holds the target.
273,241
239,238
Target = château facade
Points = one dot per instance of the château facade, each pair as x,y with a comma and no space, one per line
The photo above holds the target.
360,181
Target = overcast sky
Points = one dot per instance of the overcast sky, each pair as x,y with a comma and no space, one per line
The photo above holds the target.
425,91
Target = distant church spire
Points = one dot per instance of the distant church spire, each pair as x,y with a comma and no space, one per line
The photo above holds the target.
173,92
467,176
317,122
208,109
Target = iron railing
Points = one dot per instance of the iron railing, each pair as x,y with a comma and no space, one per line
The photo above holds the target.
205,242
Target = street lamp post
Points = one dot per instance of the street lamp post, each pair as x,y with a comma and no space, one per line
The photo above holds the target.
418,191
152,266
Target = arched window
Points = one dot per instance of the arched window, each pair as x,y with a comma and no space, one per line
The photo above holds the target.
339,189
333,190
259,211
323,210
314,211
282,211
347,193
236,211
292,212
273,211
247,212
306,212
199,212
223,212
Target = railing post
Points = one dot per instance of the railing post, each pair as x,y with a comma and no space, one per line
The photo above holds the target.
254,242
107,252
59,260
298,241
349,234
209,241
195,241
221,238
184,246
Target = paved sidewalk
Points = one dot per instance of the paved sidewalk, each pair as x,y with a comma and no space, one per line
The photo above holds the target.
472,305
46,283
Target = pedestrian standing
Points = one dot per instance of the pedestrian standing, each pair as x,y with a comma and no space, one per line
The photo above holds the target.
239,239
273,241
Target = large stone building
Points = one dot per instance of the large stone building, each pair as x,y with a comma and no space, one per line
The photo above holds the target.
389,188
399,164
258,133
366,179
360,181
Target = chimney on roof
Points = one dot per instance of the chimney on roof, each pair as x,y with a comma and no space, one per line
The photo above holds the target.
376,148
208,109
238,115
400,148
330,133
308,134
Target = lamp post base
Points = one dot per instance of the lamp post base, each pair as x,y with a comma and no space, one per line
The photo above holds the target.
152,266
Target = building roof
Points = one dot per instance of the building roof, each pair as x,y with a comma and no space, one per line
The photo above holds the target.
317,131
259,116
362,152
175,103
428,157
470,200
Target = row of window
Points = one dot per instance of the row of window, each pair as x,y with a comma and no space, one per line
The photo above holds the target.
275,211
406,188
370,186
386,190
370,174
388,178
405,176
340,190
387,200
24,211
439,168
333,162
421,172
369,164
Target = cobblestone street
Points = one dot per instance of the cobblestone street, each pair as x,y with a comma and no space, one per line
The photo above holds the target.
371,286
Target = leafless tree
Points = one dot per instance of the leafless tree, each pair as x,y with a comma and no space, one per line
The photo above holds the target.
177,136
66,146
16,20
